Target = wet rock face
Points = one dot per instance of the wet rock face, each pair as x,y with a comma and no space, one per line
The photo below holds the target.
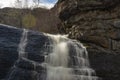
27,68
96,23
92,21
9,40
106,64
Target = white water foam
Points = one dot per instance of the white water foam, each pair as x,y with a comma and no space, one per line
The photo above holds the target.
57,62
22,44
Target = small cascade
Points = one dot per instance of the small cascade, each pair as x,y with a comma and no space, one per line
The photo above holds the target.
80,63
22,44
21,54
57,61
64,59
68,60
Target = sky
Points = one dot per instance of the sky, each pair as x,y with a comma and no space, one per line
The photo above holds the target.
49,1
43,3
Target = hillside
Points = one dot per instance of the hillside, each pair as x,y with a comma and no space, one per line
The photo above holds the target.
39,19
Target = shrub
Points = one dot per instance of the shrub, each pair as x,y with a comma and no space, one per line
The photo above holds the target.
29,21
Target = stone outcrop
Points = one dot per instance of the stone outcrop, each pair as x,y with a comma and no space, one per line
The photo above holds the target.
14,68
96,23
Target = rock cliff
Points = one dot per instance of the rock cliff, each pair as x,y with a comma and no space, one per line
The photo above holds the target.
29,55
96,23
13,68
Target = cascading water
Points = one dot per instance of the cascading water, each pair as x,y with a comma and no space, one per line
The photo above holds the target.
58,60
21,54
22,44
68,60
64,59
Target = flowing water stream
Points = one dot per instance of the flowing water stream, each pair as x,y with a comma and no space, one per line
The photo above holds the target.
66,60
22,44
21,54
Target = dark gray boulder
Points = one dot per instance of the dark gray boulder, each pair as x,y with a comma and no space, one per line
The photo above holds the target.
24,68
9,40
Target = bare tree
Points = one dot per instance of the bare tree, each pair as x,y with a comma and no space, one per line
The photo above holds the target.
21,3
36,3
1,5
18,4
26,3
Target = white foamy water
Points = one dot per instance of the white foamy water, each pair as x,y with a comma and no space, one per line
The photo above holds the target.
22,44
58,62
65,59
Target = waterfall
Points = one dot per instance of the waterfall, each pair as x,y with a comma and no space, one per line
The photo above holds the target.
22,44
21,54
68,60
57,60
64,59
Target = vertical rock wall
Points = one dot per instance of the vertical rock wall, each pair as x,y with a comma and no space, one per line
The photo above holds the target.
96,23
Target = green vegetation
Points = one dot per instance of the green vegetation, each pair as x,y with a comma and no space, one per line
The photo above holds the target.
29,21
